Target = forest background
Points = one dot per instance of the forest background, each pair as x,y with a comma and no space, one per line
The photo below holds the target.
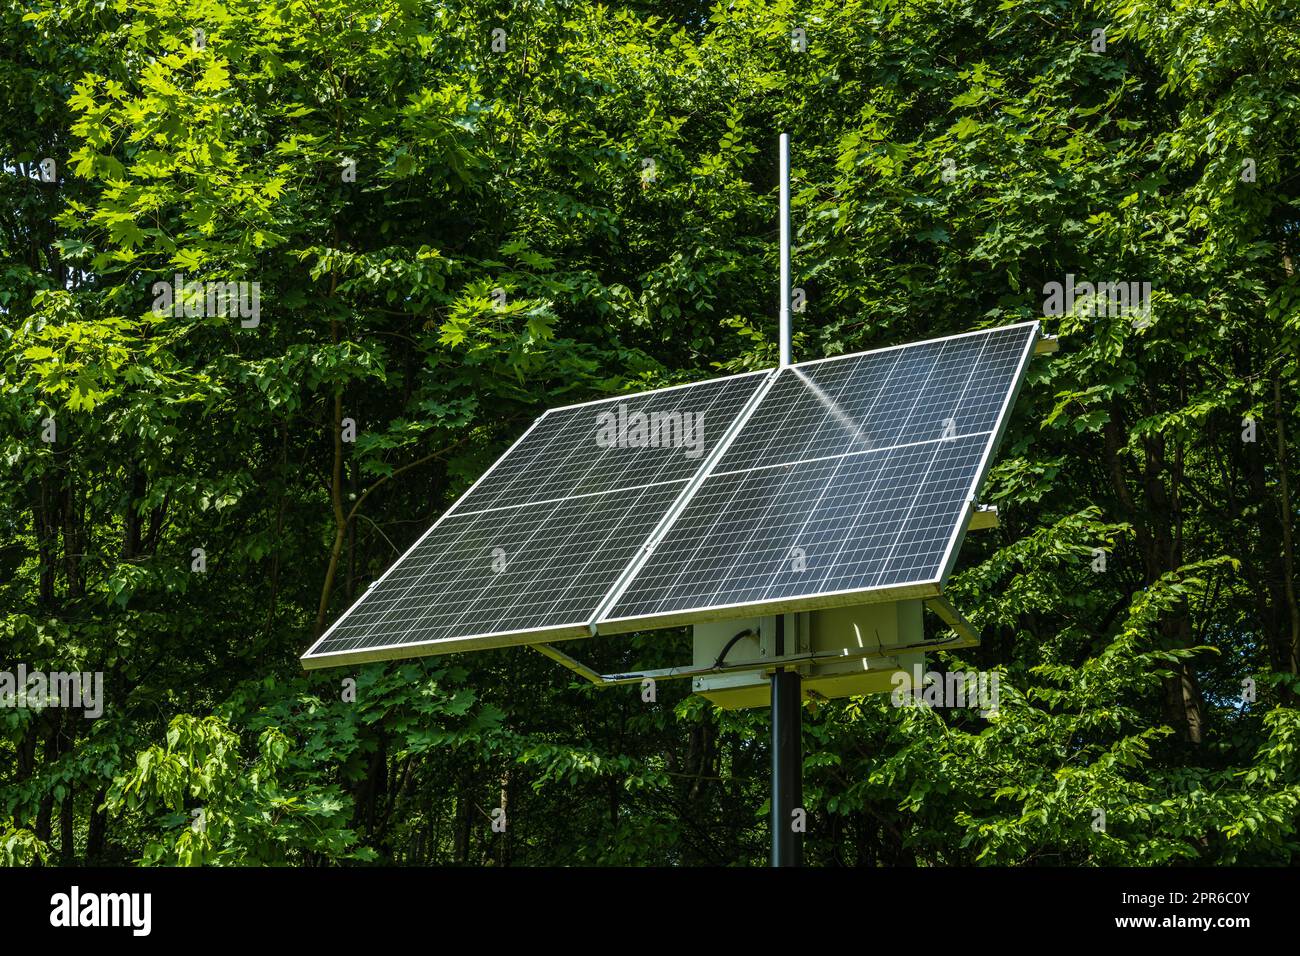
380,167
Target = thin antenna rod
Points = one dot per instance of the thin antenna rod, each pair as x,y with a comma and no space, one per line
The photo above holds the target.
785,250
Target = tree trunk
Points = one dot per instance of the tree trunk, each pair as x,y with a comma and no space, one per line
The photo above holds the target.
1157,525
97,829
67,840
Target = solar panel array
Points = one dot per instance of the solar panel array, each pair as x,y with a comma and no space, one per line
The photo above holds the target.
775,490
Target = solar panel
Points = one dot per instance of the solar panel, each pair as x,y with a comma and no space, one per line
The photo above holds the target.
853,476
836,481
602,446
532,548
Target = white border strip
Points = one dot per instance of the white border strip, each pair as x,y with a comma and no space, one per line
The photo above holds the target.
986,461
453,645
800,602
670,517
910,345
846,454
585,494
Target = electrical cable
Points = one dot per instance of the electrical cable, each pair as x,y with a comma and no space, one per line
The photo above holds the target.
747,632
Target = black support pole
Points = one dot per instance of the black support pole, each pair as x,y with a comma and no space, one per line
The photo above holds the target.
787,761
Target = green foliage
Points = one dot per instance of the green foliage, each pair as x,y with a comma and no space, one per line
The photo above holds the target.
19,847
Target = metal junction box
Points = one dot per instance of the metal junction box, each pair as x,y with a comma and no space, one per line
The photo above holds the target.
880,630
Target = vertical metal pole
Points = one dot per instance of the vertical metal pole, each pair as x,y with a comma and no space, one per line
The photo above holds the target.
785,249
787,760
787,752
